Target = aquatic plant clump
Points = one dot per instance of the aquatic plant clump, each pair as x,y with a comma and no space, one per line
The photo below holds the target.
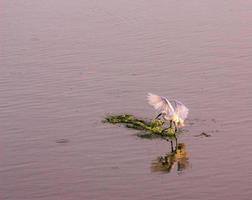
154,127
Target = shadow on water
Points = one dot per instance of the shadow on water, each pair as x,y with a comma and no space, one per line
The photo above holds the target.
175,160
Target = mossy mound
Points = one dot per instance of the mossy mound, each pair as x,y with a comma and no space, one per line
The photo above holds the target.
153,127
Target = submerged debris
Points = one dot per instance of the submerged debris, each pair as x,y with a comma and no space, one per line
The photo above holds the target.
154,127
203,134
62,141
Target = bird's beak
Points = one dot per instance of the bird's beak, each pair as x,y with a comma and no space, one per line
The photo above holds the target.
158,116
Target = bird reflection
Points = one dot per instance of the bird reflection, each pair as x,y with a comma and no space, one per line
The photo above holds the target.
166,163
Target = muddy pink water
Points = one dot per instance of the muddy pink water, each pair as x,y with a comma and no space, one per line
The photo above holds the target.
66,64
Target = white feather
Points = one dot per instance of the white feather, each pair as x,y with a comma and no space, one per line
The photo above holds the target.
160,103
181,110
163,105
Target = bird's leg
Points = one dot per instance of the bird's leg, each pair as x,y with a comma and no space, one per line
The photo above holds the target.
172,146
176,129
176,140
170,123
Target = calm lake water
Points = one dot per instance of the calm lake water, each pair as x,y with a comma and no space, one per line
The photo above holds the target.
64,65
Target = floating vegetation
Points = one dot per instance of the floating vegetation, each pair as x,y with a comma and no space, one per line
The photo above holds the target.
154,127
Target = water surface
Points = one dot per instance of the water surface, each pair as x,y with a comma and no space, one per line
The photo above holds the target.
64,65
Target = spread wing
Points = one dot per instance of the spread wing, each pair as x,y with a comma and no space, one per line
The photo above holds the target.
181,109
160,103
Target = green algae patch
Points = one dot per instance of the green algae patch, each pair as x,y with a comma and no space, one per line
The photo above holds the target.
153,128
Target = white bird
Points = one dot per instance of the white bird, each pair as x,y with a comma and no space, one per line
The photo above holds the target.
175,115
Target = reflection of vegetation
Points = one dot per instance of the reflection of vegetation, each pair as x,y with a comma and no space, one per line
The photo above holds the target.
153,127
166,163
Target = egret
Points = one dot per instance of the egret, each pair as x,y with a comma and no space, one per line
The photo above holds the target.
175,115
